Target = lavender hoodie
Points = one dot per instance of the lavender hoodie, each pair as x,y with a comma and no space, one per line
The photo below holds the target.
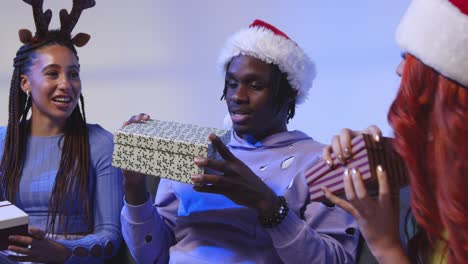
184,226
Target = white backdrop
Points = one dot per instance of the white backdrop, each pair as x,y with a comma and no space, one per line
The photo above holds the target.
159,57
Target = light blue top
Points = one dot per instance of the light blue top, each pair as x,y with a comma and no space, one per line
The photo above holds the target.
37,179
185,226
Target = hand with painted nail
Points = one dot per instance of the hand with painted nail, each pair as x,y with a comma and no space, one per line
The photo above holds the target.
37,248
341,144
238,182
377,217
134,182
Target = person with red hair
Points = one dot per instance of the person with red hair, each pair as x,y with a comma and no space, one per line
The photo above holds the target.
429,117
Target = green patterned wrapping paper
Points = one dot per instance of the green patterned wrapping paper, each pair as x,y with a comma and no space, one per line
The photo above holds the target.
164,149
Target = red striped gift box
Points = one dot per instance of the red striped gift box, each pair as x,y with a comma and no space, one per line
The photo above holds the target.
366,155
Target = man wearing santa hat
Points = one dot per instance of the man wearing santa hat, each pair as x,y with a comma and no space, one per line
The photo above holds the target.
258,210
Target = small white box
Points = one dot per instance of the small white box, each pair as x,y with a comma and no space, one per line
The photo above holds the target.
13,221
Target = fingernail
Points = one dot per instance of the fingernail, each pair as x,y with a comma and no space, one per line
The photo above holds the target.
329,163
198,159
353,171
340,157
377,138
195,177
346,172
346,151
379,168
211,136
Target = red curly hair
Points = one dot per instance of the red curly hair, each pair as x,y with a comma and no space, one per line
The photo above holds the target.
430,120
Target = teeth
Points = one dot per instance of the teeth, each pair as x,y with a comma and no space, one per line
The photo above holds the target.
62,99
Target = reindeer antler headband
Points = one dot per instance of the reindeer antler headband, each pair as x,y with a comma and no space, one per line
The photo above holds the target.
67,22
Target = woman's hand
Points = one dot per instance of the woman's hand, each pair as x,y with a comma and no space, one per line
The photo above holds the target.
341,144
134,182
378,218
38,248
238,181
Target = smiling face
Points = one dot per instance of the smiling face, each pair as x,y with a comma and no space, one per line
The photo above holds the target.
250,99
54,82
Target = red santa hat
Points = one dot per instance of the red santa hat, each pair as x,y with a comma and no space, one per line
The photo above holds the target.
267,43
436,32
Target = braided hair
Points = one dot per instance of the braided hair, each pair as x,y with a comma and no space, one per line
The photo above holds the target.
71,190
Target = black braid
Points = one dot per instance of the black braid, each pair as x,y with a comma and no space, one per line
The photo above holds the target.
89,219
283,91
13,153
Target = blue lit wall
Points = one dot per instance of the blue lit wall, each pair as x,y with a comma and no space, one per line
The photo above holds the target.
159,57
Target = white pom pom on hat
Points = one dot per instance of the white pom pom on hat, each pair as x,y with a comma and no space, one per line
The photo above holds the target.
436,32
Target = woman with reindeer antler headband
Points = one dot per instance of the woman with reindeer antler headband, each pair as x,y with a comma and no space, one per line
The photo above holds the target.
54,166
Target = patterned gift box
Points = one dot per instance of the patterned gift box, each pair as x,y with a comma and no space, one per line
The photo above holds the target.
367,154
164,149
13,221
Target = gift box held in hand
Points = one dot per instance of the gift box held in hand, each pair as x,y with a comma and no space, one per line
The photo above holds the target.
164,149
13,221
367,154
